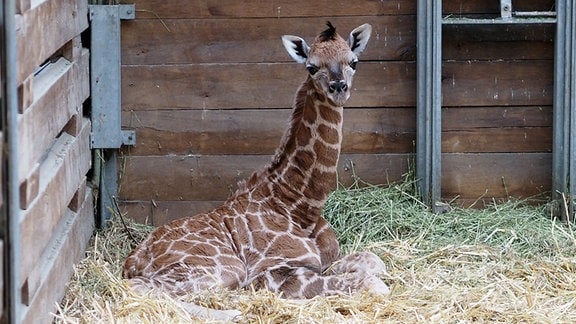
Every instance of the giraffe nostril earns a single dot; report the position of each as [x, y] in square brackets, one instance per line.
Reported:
[338, 86]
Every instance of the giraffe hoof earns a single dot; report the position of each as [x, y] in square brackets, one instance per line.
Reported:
[376, 285]
[213, 314]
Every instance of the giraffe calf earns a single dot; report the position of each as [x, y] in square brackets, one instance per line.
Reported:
[270, 233]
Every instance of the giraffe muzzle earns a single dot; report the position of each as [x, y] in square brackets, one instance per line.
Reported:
[337, 86]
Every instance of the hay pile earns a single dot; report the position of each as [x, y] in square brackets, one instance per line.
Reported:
[506, 263]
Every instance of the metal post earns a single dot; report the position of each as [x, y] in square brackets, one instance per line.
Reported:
[429, 100]
[11, 209]
[107, 134]
[564, 123]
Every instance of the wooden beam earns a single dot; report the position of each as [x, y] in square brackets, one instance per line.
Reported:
[262, 8]
[202, 86]
[258, 131]
[187, 41]
[495, 175]
[214, 177]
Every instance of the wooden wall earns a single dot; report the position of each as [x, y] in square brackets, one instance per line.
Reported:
[208, 87]
[54, 149]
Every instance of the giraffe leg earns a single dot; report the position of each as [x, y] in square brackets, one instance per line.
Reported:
[181, 278]
[326, 241]
[306, 283]
[150, 286]
[359, 262]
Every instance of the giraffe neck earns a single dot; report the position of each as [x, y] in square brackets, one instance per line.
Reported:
[303, 170]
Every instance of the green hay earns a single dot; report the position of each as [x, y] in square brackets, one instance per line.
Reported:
[364, 214]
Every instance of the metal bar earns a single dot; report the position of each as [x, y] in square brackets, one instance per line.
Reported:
[105, 74]
[499, 21]
[429, 100]
[571, 33]
[13, 300]
[564, 119]
[108, 186]
[535, 13]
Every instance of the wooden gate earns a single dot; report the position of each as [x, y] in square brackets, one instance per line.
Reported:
[56, 218]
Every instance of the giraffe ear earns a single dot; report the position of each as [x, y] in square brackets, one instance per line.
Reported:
[296, 48]
[359, 38]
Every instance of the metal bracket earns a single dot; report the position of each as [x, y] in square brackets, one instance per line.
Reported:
[105, 76]
[129, 137]
[506, 9]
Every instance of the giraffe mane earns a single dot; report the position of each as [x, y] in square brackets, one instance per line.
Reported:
[288, 138]
[328, 34]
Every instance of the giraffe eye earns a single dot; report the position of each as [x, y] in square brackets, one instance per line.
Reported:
[353, 64]
[312, 69]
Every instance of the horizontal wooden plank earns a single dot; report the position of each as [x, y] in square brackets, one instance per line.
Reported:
[66, 247]
[160, 212]
[377, 84]
[231, 86]
[466, 176]
[61, 173]
[273, 9]
[508, 139]
[213, 177]
[59, 91]
[466, 118]
[504, 35]
[497, 129]
[325, 8]
[186, 41]
[497, 83]
[477, 45]
[378, 130]
[44, 29]
[498, 175]
[258, 131]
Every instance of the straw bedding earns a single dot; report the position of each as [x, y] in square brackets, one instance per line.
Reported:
[505, 263]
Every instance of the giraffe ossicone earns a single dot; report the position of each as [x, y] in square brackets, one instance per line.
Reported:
[270, 233]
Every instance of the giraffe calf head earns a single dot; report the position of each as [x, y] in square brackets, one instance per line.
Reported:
[330, 60]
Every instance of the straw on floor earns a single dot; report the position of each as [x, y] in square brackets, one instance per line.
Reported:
[508, 262]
